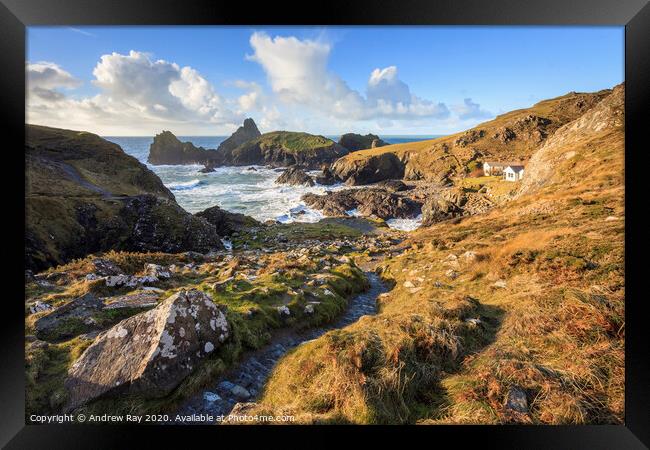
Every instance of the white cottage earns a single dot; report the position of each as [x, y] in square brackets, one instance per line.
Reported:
[513, 173]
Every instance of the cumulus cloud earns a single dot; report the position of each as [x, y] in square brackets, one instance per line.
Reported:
[133, 89]
[297, 72]
[471, 110]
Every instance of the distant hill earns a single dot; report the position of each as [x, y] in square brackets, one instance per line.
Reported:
[511, 136]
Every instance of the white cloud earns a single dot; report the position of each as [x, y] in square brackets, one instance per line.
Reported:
[470, 110]
[297, 72]
[134, 89]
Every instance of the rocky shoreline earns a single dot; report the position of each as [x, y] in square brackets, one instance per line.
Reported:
[133, 304]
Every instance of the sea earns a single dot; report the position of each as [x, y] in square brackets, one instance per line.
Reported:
[242, 189]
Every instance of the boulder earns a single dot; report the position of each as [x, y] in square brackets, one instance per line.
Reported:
[295, 177]
[39, 306]
[150, 353]
[70, 319]
[516, 400]
[436, 209]
[393, 185]
[104, 267]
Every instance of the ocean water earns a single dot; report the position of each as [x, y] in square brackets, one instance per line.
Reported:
[250, 190]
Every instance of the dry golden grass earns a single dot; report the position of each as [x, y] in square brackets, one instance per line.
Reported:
[546, 279]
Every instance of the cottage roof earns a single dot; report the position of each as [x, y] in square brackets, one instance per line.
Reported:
[504, 164]
[515, 167]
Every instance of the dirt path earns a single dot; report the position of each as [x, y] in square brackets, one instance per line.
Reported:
[246, 381]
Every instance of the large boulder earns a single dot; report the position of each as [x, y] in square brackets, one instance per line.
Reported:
[354, 142]
[150, 353]
[437, 209]
[248, 131]
[295, 177]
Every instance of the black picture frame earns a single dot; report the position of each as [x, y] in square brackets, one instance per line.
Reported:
[16, 15]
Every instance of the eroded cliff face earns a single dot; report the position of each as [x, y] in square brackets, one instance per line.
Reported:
[85, 195]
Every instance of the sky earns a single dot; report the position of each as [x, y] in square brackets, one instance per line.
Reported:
[390, 80]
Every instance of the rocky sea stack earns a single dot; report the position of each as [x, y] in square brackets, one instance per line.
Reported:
[247, 132]
[167, 149]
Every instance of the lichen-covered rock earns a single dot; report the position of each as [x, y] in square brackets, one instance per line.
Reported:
[149, 353]
[65, 321]
[104, 267]
[156, 271]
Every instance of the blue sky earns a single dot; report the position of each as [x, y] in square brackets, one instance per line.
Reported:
[326, 80]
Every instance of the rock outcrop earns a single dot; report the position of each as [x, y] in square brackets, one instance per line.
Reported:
[85, 195]
[435, 210]
[354, 142]
[327, 178]
[295, 177]
[546, 165]
[150, 353]
[367, 170]
[226, 223]
[167, 149]
[369, 202]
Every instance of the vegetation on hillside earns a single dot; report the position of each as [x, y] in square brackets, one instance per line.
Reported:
[515, 316]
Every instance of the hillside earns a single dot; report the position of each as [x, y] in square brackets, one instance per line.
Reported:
[513, 316]
[511, 136]
[83, 194]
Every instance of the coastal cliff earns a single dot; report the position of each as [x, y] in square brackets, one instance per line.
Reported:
[85, 195]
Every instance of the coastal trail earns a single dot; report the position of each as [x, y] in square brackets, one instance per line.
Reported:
[245, 382]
